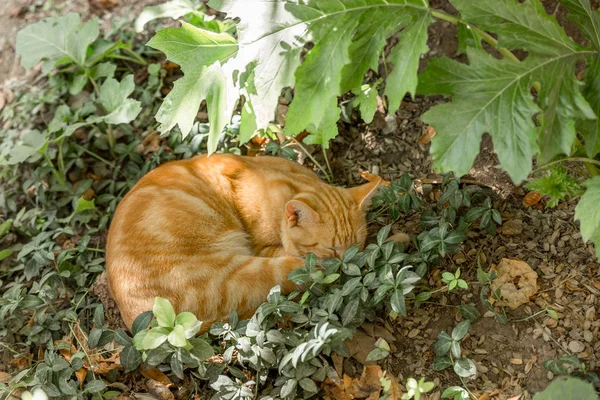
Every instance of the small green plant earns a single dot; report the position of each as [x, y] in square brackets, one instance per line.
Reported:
[448, 352]
[568, 388]
[557, 184]
[453, 280]
[416, 388]
[572, 366]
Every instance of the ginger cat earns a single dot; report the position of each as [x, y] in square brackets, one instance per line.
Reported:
[214, 234]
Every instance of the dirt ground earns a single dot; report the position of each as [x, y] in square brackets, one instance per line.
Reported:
[509, 357]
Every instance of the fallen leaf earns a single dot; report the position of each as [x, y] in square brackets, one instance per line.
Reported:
[516, 280]
[103, 4]
[5, 377]
[338, 363]
[22, 362]
[159, 390]
[512, 227]
[368, 386]
[150, 144]
[531, 198]
[81, 374]
[364, 341]
[156, 375]
[425, 138]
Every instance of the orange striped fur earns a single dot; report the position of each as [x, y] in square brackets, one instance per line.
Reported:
[214, 234]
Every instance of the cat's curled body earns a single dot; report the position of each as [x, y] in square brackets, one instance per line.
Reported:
[214, 234]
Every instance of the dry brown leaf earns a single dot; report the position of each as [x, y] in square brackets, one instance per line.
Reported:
[512, 227]
[516, 280]
[81, 374]
[363, 341]
[368, 386]
[103, 4]
[426, 137]
[159, 390]
[23, 361]
[531, 198]
[5, 377]
[338, 363]
[484, 396]
[156, 375]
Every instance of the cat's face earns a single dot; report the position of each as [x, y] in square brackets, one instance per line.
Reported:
[328, 222]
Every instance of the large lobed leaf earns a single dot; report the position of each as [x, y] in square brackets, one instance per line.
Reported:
[588, 213]
[54, 40]
[493, 96]
[201, 55]
[348, 38]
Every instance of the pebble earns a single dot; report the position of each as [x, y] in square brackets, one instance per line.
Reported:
[576, 346]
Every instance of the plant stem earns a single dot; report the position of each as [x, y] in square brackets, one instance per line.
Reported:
[587, 161]
[96, 156]
[57, 174]
[313, 160]
[111, 139]
[486, 36]
[327, 161]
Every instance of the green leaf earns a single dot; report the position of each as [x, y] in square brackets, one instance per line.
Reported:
[318, 79]
[441, 363]
[172, 9]
[587, 213]
[4, 227]
[141, 322]
[489, 95]
[366, 100]
[518, 25]
[189, 322]
[177, 336]
[456, 393]
[94, 386]
[330, 278]
[308, 385]
[502, 105]
[465, 367]
[122, 337]
[590, 128]
[200, 54]
[562, 102]
[201, 350]
[377, 354]
[586, 19]
[467, 37]
[98, 316]
[469, 312]
[83, 204]
[131, 358]
[29, 144]
[398, 303]
[570, 388]
[155, 337]
[405, 58]
[164, 312]
[56, 40]
[460, 330]
[5, 253]
[443, 344]
[350, 311]
[114, 98]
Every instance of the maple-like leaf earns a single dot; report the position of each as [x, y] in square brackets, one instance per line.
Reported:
[56, 40]
[587, 213]
[201, 55]
[588, 20]
[493, 96]
[590, 128]
[348, 38]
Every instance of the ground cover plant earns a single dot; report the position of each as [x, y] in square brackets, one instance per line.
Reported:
[81, 135]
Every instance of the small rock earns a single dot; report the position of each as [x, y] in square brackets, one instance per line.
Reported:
[576, 346]
[512, 227]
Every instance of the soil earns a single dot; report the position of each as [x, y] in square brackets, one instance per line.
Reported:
[509, 357]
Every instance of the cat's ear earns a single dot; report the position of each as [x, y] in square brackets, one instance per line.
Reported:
[299, 213]
[363, 194]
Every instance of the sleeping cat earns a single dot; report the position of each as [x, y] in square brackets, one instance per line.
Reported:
[214, 234]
